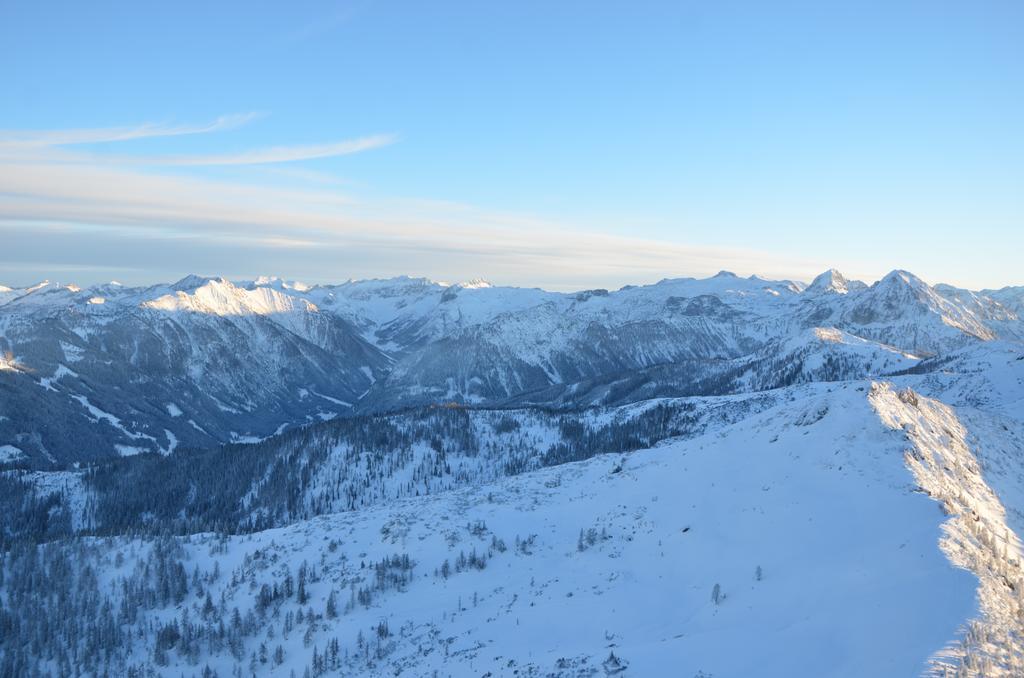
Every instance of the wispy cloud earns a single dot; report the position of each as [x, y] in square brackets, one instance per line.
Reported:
[68, 137]
[48, 145]
[201, 222]
[278, 154]
[119, 208]
[319, 26]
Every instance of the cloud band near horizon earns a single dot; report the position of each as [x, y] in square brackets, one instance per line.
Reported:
[118, 208]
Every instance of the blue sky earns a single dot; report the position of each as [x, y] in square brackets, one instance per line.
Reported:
[563, 145]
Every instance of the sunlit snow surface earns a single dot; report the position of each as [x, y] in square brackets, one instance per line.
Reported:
[816, 492]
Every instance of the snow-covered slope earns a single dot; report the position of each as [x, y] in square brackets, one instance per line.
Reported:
[1011, 298]
[977, 537]
[7, 293]
[988, 376]
[811, 524]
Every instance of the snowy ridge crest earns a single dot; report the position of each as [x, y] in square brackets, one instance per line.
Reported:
[976, 536]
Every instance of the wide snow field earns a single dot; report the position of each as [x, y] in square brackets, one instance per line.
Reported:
[814, 492]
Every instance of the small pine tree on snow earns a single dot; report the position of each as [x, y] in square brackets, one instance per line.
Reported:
[613, 664]
[302, 596]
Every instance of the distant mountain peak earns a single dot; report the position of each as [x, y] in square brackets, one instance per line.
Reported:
[902, 277]
[829, 282]
[192, 281]
[833, 282]
[475, 283]
[267, 281]
[725, 274]
[905, 285]
[280, 284]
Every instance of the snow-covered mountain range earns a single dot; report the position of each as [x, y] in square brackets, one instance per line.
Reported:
[720, 477]
[108, 370]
